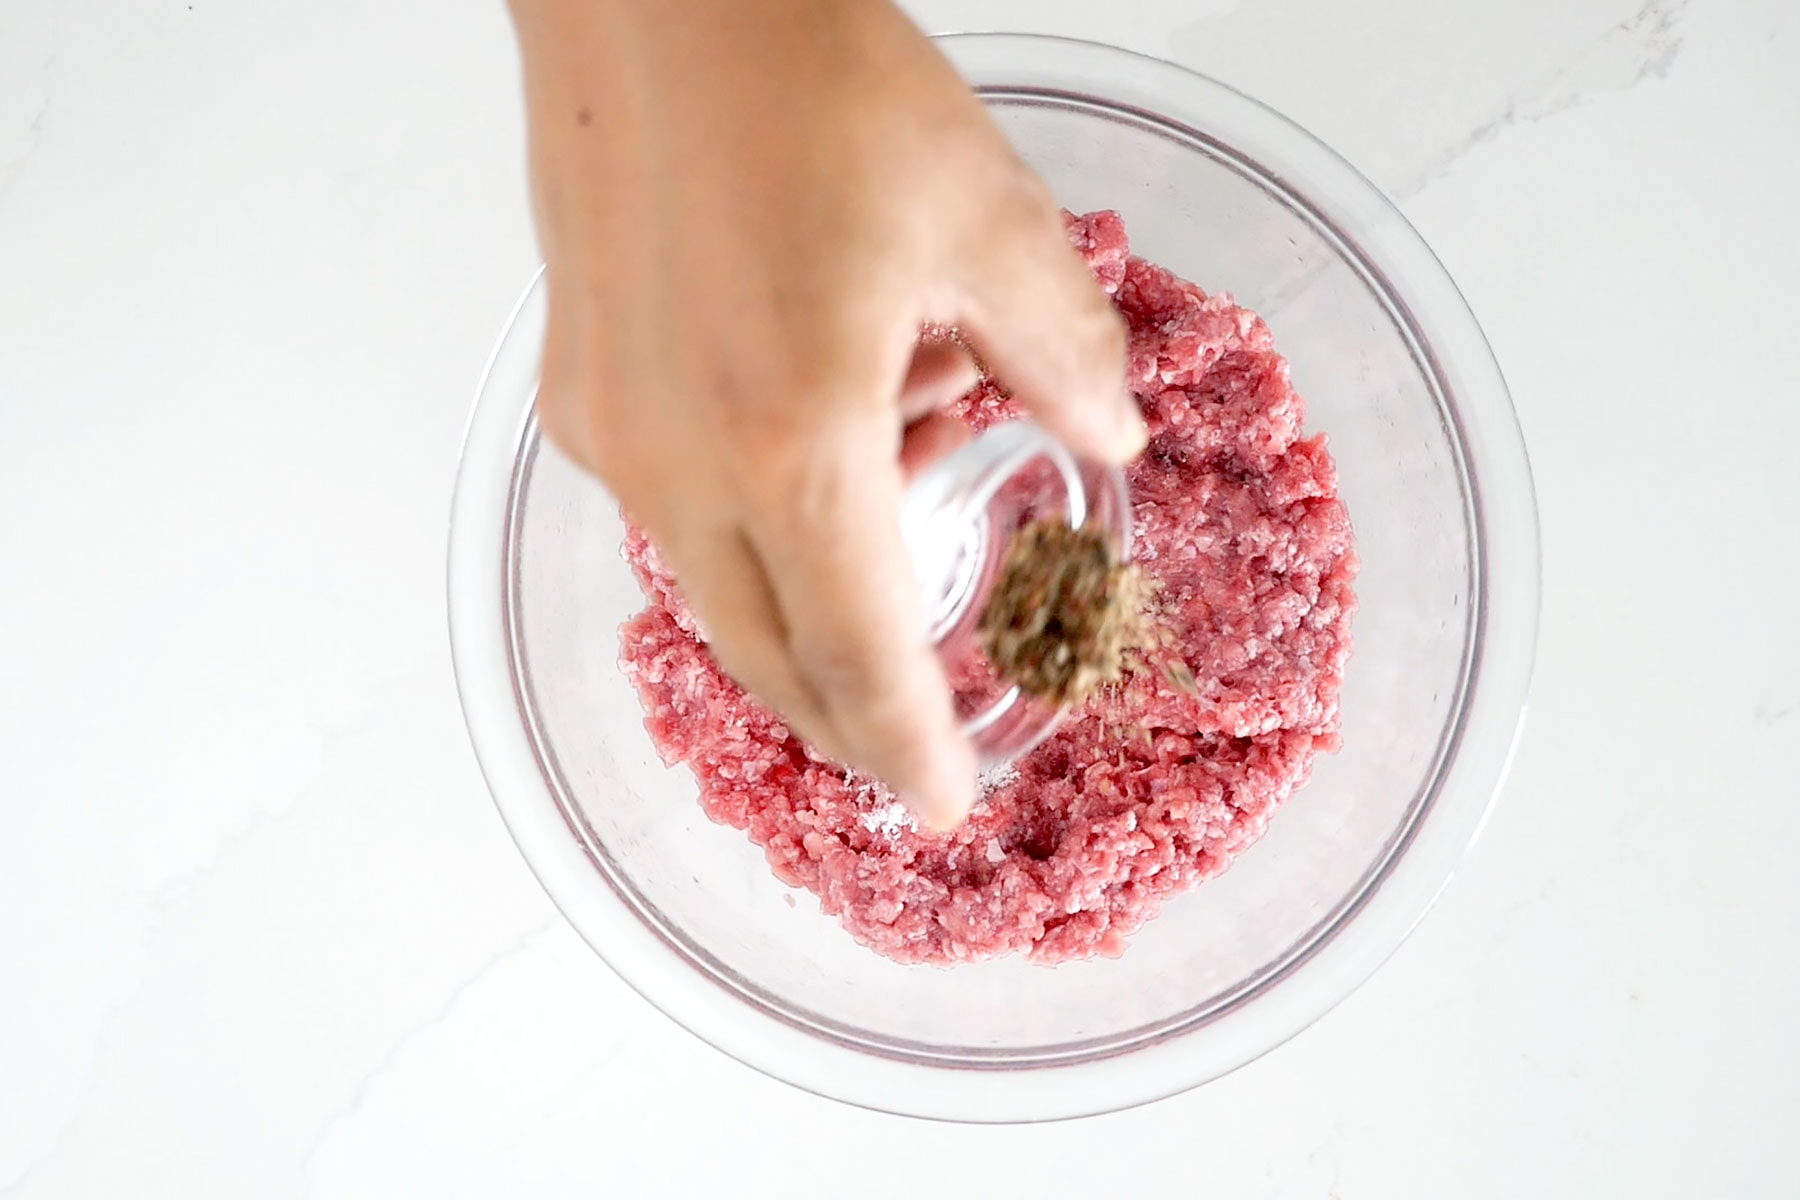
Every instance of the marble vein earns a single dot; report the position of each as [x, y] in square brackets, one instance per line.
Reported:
[162, 897]
[343, 742]
[13, 167]
[109, 1018]
[359, 1095]
[1644, 46]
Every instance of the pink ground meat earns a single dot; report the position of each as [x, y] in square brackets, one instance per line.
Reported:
[1148, 789]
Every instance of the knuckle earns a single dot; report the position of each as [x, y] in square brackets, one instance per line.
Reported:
[774, 418]
[1033, 199]
[1105, 335]
[614, 444]
[757, 433]
[570, 401]
[871, 695]
[1029, 208]
[793, 479]
[583, 425]
[849, 675]
[564, 421]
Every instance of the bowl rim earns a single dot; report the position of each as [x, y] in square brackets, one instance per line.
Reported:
[1503, 615]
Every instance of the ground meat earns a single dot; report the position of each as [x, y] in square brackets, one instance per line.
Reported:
[1148, 789]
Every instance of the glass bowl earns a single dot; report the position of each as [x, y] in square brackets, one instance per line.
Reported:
[1433, 470]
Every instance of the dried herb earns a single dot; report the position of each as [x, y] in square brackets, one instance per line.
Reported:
[1066, 617]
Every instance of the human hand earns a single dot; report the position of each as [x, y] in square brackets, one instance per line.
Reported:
[748, 210]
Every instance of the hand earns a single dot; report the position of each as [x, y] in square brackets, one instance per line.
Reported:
[748, 209]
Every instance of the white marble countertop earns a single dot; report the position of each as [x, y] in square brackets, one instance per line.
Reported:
[262, 932]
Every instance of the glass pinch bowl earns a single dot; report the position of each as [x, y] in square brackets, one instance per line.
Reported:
[1434, 473]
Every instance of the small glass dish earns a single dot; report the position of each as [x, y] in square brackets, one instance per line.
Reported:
[1433, 470]
[959, 517]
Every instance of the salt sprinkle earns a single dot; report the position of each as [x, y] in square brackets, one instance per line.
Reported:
[997, 777]
[881, 814]
[887, 821]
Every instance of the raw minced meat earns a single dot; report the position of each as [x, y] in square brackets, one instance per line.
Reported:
[1150, 787]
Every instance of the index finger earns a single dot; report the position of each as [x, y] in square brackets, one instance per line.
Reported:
[827, 528]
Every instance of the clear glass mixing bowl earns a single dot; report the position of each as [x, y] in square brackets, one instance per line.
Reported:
[1433, 469]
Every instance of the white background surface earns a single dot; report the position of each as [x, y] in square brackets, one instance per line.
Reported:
[261, 933]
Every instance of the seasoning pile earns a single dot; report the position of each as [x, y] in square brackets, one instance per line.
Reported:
[1066, 617]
